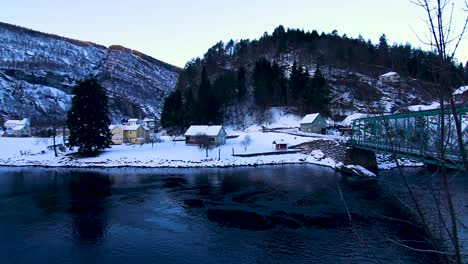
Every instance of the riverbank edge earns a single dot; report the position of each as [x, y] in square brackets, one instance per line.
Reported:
[220, 166]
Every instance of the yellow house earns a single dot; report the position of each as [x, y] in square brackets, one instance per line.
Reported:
[135, 134]
[117, 134]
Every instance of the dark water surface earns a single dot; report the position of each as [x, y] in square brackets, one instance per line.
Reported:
[280, 214]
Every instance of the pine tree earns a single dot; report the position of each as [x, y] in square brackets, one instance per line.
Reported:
[88, 118]
[188, 108]
[207, 106]
[382, 51]
[241, 84]
[171, 116]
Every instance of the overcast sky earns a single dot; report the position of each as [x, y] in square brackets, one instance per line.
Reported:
[176, 31]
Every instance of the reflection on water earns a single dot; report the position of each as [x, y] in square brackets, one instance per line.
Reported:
[88, 205]
[280, 214]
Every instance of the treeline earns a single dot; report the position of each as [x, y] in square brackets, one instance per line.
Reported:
[330, 49]
[182, 108]
[273, 88]
[270, 85]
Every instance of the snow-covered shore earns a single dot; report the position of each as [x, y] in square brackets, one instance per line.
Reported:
[34, 152]
[175, 154]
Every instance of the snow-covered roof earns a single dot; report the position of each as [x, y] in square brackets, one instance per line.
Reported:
[18, 128]
[131, 127]
[203, 130]
[127, 128]
[461, 90]
[309, 118]
[389, 74]
[434, 105]
[348, 121]
[133, 120]
[148, 120]
[24, 121]
[279, 141]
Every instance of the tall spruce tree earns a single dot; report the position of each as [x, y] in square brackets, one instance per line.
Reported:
[88, 118]
[207, 106]
[171, 116]
[241, 83]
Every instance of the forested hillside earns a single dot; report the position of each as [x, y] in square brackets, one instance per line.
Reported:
[303, 71]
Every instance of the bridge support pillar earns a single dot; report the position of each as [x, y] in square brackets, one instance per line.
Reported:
[362, 157]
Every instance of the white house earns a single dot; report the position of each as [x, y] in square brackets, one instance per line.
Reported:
[390, 77]
[149, 123]
[216, 134]
[18, 128]
[313, 123]
[461, 94]
[133, 121]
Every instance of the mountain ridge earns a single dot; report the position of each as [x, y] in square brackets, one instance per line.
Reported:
[38, 70]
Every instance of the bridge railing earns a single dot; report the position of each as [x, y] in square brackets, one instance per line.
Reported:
[414, 135]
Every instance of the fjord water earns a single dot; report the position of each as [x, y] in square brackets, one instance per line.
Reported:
[279, 214]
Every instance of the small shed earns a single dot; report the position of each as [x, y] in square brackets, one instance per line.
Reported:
[216, 134]
[280, 145]
[390, 77]
[313, 123]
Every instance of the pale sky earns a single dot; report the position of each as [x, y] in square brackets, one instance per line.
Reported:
[176, 31]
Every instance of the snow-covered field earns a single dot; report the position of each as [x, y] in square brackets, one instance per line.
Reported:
[34, 152]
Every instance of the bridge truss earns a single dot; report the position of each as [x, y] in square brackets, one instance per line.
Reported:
[414, 135]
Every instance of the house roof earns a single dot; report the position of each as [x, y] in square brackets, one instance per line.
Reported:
[203, 130]
[461, 90]
[148, 120]
[389, 74]
[310, 118]
[131, 127]
[133, 120]
[279, 141]
[18, 128]
[24, 121]
[127, 128]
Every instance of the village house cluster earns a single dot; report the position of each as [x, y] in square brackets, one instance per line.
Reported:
[134, 131]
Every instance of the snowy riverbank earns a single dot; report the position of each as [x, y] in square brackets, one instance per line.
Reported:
[35, 152]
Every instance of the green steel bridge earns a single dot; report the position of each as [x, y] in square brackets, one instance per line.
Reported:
[414, 135]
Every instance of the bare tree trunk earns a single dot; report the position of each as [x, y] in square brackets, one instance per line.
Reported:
[54, 134]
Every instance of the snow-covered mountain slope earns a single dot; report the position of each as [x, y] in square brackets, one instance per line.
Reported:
[38, 70]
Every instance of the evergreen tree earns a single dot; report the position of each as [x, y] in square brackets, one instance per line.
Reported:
[188, 108]
[208, 108]
[241, 90]
[224, 87]
[293, 82]
[171, 116]
[88, 118]
[321, 92]
[262, 82]
[382, 51]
